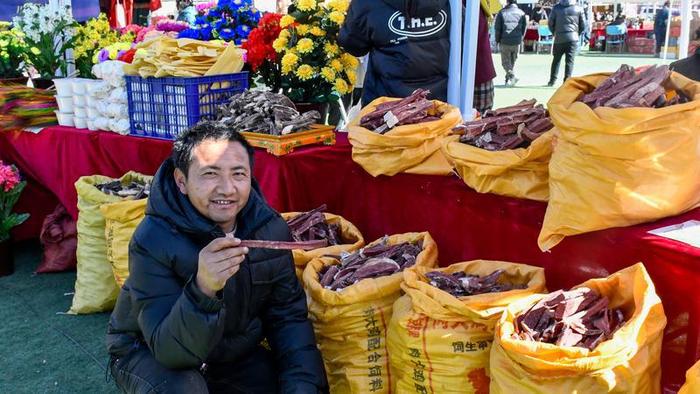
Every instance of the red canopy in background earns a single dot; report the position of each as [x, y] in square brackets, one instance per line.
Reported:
[128, 10]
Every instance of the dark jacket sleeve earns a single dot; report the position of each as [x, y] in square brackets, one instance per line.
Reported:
[291, 335]
[523, 24]
[354, 36]
[498, 27]
[180, 325]
[552, 21]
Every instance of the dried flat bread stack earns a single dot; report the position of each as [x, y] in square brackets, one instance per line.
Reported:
[166, 56]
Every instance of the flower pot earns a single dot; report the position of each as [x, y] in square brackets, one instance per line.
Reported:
[322, 108]
[42, 83]
[14, 81]
[7, 262]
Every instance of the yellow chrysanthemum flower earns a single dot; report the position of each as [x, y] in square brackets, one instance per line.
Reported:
[305, 72]
[279, 44]
[341, 86]
[305, 45]
[331, 49]
[285, 34]
[286, 21]
[337, 17]
[352, 76]
[337, 65]
[328, 74]
[338, 5]
[289, 60]
[35, 50]
[303, 29]
[317, 31]
[306, 5]
[349, 61]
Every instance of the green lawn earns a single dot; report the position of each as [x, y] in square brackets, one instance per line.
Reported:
[42, 351]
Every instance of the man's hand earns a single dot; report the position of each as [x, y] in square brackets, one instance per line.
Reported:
[219, 261]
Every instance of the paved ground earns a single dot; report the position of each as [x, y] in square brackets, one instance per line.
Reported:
[42, 351]
[533, 72]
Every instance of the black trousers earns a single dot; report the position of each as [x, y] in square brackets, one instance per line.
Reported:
[559, 50]
[139, 372]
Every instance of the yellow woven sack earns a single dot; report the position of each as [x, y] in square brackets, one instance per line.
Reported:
[692, 380]
[351, 324]
[520, 173]
[627, 363]
[439, 343]
[411, 148]
[348, 232]
[95, 287]
[121, 219]
[615, 167]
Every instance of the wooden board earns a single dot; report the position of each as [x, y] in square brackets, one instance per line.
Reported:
[280, 145]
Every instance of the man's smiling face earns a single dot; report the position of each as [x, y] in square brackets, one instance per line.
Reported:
[218, 180]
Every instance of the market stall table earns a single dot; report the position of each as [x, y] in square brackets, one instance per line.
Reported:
[465, 224]
[600, 32]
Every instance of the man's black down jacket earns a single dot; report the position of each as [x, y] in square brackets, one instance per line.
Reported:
[161, 306]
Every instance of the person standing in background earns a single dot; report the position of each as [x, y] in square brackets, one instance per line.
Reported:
[186, 11]
[408, 44]
[660, 24]
[566, 22]
[510, 28]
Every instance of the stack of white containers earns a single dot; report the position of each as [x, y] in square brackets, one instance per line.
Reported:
[79, 102]
[73, 106]
[64, 98]
[110, 98]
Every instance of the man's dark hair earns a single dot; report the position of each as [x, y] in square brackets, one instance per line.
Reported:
[512, 1]
[190, 138]
[667, 4]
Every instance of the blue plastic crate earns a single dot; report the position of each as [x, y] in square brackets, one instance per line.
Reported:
[164, 107]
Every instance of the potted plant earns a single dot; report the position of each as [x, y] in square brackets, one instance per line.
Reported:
[49, 32]
[315, 71]
[261, 56]
[10, 189]
[12, 49]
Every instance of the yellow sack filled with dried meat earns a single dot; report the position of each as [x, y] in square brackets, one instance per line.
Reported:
[629, 362]
[520, 173]
[350, 235]
[95, 287]
[692, 380]
[413, 148]
[351, 323]
[615, 167]
[440, 343]
[121, 219]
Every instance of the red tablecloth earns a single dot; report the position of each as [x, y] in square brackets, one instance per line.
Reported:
[465, 224]
[531, 34]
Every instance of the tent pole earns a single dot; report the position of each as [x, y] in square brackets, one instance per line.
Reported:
[455, 62]
[470, 39]
[684, 39]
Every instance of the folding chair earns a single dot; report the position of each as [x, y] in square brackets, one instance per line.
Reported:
[615, 36]
[545, 37]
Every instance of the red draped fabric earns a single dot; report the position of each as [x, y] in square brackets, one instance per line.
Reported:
[465, 224]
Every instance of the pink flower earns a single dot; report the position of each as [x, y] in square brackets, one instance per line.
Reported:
[9, 177]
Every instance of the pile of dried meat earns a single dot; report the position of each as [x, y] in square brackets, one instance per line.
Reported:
[265, 112]
[415, 108]
[626, 88]
[579, 317]
[312, 225]
[460, 284]
[133, 190]
[506, 128]
[373, 261]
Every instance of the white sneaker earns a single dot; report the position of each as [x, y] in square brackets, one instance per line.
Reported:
[514, 81]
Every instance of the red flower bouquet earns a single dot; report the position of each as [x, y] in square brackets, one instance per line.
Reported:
[11, 187]
[261, 56]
